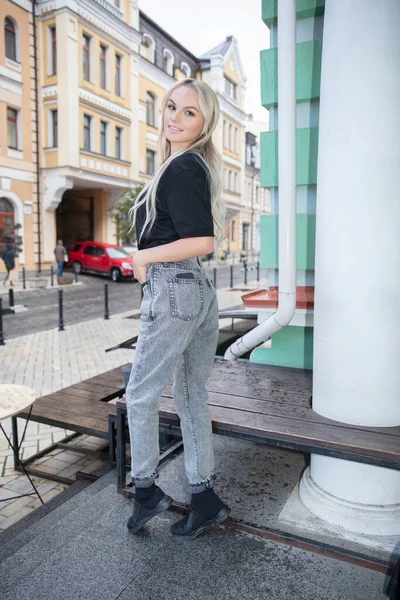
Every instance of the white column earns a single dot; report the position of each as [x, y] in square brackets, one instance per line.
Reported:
[357, 272]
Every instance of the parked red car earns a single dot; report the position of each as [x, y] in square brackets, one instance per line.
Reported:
[96, 257]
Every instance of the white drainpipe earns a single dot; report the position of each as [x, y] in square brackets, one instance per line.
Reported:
[287, 186]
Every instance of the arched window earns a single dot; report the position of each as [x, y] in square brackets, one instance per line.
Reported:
[6, 214]
[150, 109]
[168, 61]
[10, 36]
[150, 47]
[186, 69]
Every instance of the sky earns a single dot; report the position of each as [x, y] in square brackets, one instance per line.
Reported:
[200, 25]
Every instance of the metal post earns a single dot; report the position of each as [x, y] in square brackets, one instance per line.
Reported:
[231, 276]
[245, 271]
[51, 276]
[76, 275]
[23, 279]
[10, 297]
[60, 311]
[1, 323]
[106, 311]
[215, 277]
[258, 270]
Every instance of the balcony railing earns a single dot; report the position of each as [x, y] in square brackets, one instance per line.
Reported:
[110, 6]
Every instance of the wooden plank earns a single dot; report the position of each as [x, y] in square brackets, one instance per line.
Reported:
[326, 436]
[269, 406]
[95, 410]
[74, 422]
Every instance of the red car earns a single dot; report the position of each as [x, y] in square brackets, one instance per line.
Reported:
[96, 257]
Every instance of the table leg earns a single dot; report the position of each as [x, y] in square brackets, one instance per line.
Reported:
[15, 449]
[121, 449]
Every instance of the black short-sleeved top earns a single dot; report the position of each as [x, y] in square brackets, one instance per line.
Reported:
[183, 204]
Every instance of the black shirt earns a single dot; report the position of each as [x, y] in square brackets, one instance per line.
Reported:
[183, 204]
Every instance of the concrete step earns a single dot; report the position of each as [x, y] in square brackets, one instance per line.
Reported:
[48, 515]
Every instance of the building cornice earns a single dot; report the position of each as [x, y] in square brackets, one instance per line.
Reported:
[104, 104]
[88, 176]
[155, 74]
[25, 4]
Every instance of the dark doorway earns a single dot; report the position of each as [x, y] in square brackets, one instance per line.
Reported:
[75, 220]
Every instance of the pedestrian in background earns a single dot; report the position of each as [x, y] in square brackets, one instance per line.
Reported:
[177, 216]
[9, 262]
[60, 253]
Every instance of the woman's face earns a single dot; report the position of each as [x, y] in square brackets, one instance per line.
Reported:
[182, 121]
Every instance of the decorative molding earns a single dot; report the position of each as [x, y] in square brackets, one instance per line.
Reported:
[155, 74]
[25, 4]
[77, 175]
[10, 85]
[49, 90]
[12, 153]
[11, 74]
[102, 166]
[105, 104]
[54, 187]
[13, 65]
[17, 174]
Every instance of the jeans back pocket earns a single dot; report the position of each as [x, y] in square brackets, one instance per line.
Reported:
[186, 298]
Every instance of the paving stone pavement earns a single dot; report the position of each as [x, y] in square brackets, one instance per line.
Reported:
[48, 361]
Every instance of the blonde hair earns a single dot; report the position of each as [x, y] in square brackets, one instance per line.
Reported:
[203, 147]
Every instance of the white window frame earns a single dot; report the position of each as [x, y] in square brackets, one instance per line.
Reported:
[91, 133]
[50, 50]
[122, 142]
[17, 41]
[231, 188]
[107, 136]
[237, 140]
[50, 128]
[150, 43]
[231, 139]
[171, 61]
[237, 182]
[106, 66]
[226, 135]
[186, 69]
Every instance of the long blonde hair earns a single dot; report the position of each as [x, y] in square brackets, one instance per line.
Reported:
[205, 149]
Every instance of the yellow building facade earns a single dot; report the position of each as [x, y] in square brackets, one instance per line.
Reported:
[100, 76]
[18, 142]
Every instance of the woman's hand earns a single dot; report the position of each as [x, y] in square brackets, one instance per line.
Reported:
[139, 266]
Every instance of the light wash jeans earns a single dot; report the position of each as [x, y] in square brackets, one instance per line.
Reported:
[178, 337]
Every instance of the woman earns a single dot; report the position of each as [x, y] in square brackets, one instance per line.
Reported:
[177, 216]
[9, 262]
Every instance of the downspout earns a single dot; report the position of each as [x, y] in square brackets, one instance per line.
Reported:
[38, 212]
[287, 186]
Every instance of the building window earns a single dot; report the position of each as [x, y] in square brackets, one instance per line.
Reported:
[150, 162]
[118, 142]
[233, 231]
[118, 61]
[10, 36]
[236, 140]
[237, 182]
[150, 109]
[231, 181]
[186, 70]
[87, 126]
[168, 62]
[149, 47]
[54, 128]
[249, 192]
[6, 214]
[225, 134]
[53, 51]
[12, 128]
[103, 137]
[230, 88]
[86, 57]
[231, 140]
[257, 194]
[103, 66]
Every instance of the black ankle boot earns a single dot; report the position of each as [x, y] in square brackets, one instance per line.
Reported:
[205, 510]
[149, 503]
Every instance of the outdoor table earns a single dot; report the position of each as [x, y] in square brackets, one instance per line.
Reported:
[14, 399]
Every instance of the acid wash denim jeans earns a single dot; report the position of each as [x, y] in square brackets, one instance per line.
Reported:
[178, 337]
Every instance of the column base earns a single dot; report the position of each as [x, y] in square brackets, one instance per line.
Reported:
[369, 519]
[296, 518]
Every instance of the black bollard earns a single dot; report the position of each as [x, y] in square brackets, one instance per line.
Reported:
[1, 323]
[76, 276]
[245, 271]
[51, 276]
[215, 277]
[10, 297]
[258, 271]
[106, 311]
[23, 279]
[60, 311]
[231, 276]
